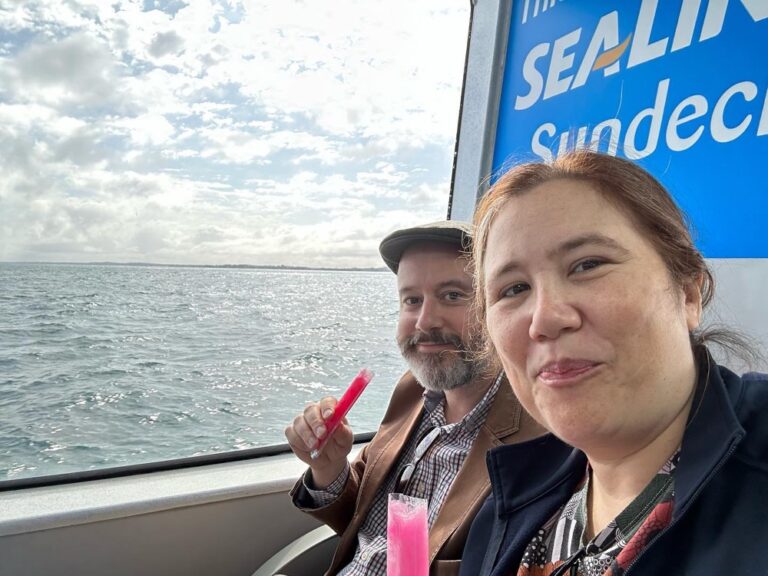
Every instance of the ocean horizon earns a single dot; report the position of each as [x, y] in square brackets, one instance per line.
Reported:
[178, 265]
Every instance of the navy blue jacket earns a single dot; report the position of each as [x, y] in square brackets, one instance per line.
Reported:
[720, 520]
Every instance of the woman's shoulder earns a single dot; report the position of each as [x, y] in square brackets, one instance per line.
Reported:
[753, 399]
[751, 408]
[756, 377]
[745, 390]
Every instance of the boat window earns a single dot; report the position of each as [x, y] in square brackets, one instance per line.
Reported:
[192, 198]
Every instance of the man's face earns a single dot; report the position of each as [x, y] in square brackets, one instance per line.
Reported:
[433, 330]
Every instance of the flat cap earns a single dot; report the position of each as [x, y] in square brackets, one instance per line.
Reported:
[449, 231]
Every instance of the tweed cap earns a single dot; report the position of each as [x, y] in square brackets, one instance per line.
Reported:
[448, 231]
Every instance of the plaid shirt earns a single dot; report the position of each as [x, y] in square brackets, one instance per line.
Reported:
[431, 480]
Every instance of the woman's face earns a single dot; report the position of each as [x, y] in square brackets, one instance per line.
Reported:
[586, 320]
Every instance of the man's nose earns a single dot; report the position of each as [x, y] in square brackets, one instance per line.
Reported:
[430, 317]
[553, 313]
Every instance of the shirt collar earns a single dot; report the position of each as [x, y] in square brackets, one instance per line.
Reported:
[434, 404]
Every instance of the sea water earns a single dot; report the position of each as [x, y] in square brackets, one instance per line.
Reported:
[106, 365]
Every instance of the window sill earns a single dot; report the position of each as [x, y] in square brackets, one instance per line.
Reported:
[43, 508]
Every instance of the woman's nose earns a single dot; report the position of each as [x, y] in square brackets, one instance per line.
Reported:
[553, 314]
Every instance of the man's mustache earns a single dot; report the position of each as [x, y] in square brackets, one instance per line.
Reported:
[433, 337]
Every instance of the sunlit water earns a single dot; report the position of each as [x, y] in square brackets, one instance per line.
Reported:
[110, 365]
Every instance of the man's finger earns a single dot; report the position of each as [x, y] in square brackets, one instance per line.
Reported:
[314, 420]
[304, 431]
[295, 442]
[327, 405]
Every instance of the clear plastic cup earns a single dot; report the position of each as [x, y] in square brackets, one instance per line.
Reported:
[407, 536]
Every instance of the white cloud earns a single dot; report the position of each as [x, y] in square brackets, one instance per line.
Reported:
[146, 129]
[165, 43]
[76, 70]
[261, 132]
[324, 61]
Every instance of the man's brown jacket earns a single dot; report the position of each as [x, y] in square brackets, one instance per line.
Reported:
[506, 423]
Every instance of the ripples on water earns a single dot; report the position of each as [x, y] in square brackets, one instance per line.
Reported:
[111, 365]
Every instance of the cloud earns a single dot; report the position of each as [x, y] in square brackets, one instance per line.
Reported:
[266, 133]
[166, 43]
[145, 129]
[77, 70]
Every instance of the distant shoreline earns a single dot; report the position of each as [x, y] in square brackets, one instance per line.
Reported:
[228, 266]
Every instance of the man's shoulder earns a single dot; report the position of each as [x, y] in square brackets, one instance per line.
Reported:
[403, 410]
[406, 394]
[508, 420]
[408, 381]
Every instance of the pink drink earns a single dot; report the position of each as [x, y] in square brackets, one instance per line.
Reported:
[346, 402]
[407, 536]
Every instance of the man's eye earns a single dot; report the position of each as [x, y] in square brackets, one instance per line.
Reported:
[515, 289]
[410, 300]
[455, 296]
[588, 264]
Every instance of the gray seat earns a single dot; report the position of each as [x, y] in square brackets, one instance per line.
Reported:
[308, 555]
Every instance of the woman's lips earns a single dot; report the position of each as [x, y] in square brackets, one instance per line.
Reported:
[566, 372]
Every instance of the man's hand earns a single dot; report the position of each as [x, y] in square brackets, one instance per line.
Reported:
[305, 433]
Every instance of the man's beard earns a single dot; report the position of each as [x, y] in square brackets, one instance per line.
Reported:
[445, 370]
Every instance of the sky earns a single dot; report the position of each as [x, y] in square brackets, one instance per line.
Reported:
[276, 132]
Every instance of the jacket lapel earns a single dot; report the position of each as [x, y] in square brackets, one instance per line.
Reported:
[402, 417]
[506, 423]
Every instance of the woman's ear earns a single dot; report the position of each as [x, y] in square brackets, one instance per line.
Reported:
[692, 291]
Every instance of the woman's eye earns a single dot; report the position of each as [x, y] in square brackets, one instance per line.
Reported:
[589, 264]
[515, 289]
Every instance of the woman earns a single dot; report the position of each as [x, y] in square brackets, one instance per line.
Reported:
[592, 293]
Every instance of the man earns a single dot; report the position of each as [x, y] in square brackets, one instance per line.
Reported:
[444, 414]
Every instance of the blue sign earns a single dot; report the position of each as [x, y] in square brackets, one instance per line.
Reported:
[679, 85]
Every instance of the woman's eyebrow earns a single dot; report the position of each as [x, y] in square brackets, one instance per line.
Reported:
[587, 240]
[564, 248]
